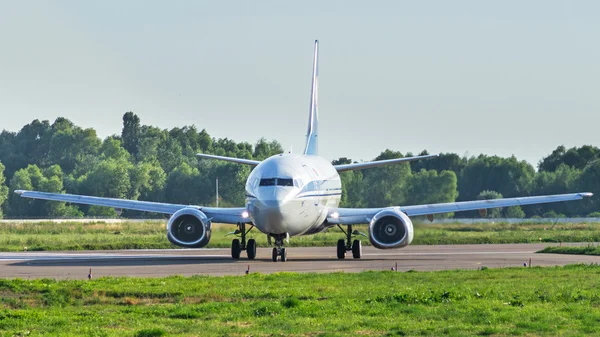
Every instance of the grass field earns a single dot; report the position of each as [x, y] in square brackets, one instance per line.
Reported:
[132, 235]
[489, 302]
[591, 249]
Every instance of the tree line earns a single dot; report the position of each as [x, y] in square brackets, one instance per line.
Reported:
[148, 163]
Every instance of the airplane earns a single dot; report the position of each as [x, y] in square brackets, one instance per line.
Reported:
[289, 195]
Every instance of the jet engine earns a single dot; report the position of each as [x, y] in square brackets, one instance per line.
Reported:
[390, 228]
[189, 227]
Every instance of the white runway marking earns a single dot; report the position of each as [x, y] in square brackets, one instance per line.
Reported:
[55, 256]
[451, 253]
[115, 256]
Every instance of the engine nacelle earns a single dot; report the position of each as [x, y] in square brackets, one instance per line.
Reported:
[189, 227]
[390, 228]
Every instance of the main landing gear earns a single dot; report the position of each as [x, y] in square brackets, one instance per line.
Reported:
[279, 250]
[348, 245]
[237, 246]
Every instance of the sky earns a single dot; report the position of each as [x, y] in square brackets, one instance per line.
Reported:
[507, 78]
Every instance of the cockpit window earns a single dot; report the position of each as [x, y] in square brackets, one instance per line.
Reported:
[276, 182]
[268, 182]
[298, 183]
[285, 182]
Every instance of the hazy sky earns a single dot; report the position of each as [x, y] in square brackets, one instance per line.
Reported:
[508, 77]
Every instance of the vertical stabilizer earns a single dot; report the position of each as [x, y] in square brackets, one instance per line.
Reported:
[312, 135]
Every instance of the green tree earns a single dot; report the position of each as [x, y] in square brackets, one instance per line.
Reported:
[9, 154]
[184, 185]
[204, 141]
[574, 157]
[387, 184]
[3, 189]
[71, 145]
[20, 206]
[170, 154]
[110, 178]
[101, 212]
[28, 146]
[148, 181]
[47, 180]
[112, 149]
[150, 140]
[265, 149]
[354, 188]
[131, 133]
[589, 181]
[443, 162]
[562, 180]
[508, 176]
[232, 180]
[514, 212]
[429, 187]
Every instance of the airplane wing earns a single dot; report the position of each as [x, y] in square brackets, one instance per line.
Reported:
[230, 159]
[349, 216]
[219, 215]
[360, 166]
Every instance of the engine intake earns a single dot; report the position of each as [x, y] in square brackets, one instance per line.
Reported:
[189, 227]
[390, 228]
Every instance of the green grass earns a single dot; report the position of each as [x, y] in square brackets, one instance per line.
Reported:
[97, 235]
[527, 301]
[578, 250]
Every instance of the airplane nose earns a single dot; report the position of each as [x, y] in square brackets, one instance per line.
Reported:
[273, 203]
[270, 211]
[275, 199]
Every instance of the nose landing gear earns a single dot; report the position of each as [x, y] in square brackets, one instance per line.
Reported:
[279, 250]
[348, 245]
[237, 246]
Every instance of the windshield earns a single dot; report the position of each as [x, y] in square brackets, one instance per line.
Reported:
[285, 182]
[268, 182]
[276, 182]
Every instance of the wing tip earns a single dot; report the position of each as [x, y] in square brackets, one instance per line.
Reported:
[586, 194]
[20, 192]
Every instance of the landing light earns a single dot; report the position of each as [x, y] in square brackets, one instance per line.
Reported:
[335, 215]
[244, 214]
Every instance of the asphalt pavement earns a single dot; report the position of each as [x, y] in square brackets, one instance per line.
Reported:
[159, 263]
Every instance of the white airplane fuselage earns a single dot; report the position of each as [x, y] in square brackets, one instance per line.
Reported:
[291, 194]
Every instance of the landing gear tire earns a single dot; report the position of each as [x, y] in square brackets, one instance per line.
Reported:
[237, 246]
[251, 249]
[341, 249]
[236, 249]
[356, 249]
[278, 250]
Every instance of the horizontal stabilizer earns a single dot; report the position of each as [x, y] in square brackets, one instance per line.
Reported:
[230, 159]
[360, 166]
